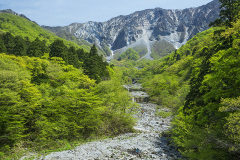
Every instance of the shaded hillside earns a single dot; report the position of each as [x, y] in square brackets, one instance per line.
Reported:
[161, 48]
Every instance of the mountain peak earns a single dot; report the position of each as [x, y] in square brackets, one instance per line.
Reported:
[146, 27]
[9, 11]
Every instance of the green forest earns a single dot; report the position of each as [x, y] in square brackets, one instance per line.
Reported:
[46, 103]
[55, 94]
[200, 82]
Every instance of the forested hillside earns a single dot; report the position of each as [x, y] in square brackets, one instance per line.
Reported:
[93, 64]
[23, 27]
[201, 83]
[45, 103]
[19, 26]
[54, 93]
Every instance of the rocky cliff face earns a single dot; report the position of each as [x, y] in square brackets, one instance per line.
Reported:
[145, 27]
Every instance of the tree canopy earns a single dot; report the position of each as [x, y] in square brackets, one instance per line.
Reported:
[229, 13]
[46, 103]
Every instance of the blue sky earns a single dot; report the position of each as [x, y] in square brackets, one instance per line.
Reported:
[65, 12]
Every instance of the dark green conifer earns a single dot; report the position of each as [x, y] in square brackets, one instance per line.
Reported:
[36, 48]
[20, 48]
[3, 49]
[8, 39]
[81, 55]
[94, 65]
[72, 57]
[58, 49]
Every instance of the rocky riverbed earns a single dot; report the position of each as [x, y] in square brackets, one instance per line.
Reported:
[148, 142]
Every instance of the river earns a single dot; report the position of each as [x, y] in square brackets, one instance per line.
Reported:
[148, 143]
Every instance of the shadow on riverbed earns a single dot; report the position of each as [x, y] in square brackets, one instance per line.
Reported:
[163, 150]
[167, 150]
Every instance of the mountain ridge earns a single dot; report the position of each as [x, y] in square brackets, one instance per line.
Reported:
[175, 26]
[17, 14]
[140, 30]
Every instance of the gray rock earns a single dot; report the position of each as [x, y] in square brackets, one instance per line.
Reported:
[150, 145]
[145, 27]
[146, 144]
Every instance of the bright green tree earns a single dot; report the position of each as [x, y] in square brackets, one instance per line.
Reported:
[228, 14]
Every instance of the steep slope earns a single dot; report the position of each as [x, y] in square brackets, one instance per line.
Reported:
[173, 26]
[20, 25]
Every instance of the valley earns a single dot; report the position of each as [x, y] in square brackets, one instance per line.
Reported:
[148, 142]
[154, 84]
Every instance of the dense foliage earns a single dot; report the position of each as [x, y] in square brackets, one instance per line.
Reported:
[55, 93]
[207, 126]
[44, 103]
[93, 64]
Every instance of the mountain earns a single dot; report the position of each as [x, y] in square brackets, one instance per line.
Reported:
[144, 28]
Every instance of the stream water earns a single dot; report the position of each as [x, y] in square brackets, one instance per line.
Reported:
[148, 143]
